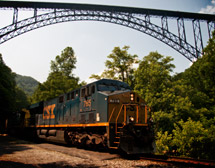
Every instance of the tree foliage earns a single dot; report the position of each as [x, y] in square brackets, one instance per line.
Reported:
[163, 142]
[119, 66]
[187, 126]
[61, 78]
[65, 63]
[153, 83]
[57, 83]
[183, 105]
[26, 83]
[21, 99]
[153, 77]
[189, 138]
[7, 89]
[12, 98]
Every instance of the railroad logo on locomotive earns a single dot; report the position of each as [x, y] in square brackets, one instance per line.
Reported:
[87, 103]
[48, 112]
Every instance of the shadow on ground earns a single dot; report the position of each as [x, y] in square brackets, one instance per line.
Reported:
[9, 164]
[9, 145]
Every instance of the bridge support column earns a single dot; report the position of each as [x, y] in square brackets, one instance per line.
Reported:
[211, 28]
[164, 24]
[181, 31]
[35, 14]
[197, 37]
[15, 16]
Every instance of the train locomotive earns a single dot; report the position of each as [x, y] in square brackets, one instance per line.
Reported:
[103, 113]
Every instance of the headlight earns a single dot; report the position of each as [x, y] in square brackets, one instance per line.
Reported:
[131, 119]
[132, 96]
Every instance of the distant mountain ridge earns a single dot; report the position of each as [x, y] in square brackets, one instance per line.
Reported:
[27, 84]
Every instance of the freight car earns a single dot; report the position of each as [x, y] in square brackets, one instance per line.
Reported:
[105, 112]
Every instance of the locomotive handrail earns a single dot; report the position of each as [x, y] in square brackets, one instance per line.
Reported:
[118, 117]
[137, 117]
[125, 114]
[146, 111]
[111, 114]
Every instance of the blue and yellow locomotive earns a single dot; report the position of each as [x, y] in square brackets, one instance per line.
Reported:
[105, 112]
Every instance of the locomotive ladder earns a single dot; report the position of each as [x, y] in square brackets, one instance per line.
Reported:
[119, 128]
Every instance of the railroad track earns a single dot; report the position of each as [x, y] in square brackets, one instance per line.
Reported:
[179, 160]
[111, 159]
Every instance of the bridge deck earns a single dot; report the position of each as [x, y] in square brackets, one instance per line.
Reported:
[141, 11]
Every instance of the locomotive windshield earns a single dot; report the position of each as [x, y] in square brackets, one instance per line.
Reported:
[112, 87]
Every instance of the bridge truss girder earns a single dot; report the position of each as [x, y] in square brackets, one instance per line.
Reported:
[140, 23]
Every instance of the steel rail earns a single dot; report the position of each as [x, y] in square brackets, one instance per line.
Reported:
[179, 160]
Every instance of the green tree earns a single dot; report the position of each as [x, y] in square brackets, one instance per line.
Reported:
[27, 84]
[167, 98]
[153, 77]
[201, 76]
[56, 84]
[206, 69]
[119, 66]
[192, 139]
[153, 83]
[64, 63]
[191, 109]
[163, 142]
[61, 78]
[21, 99]
[7, 92]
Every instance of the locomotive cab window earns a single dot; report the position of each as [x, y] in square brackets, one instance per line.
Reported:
[103, 87]
[83, 92]
[72, 95]
[111, 87]
[68, 96]
[76, 93]
[88, 91]
[93, 89]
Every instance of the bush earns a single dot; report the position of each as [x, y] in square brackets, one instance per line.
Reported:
[163, 142]
[190, 139]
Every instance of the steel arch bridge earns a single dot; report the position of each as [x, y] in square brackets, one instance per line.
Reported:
[135, 18]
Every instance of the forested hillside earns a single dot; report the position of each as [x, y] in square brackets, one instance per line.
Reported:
[26, 83]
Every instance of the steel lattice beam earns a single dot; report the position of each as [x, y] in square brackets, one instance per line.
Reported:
[211, 28]
[181, 30]
[135, 18]
[197, 37]
[164, 24]
[15, 16]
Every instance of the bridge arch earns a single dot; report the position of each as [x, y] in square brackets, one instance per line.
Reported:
[125, 19]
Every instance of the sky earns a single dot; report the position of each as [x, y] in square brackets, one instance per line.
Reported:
[30, 54]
